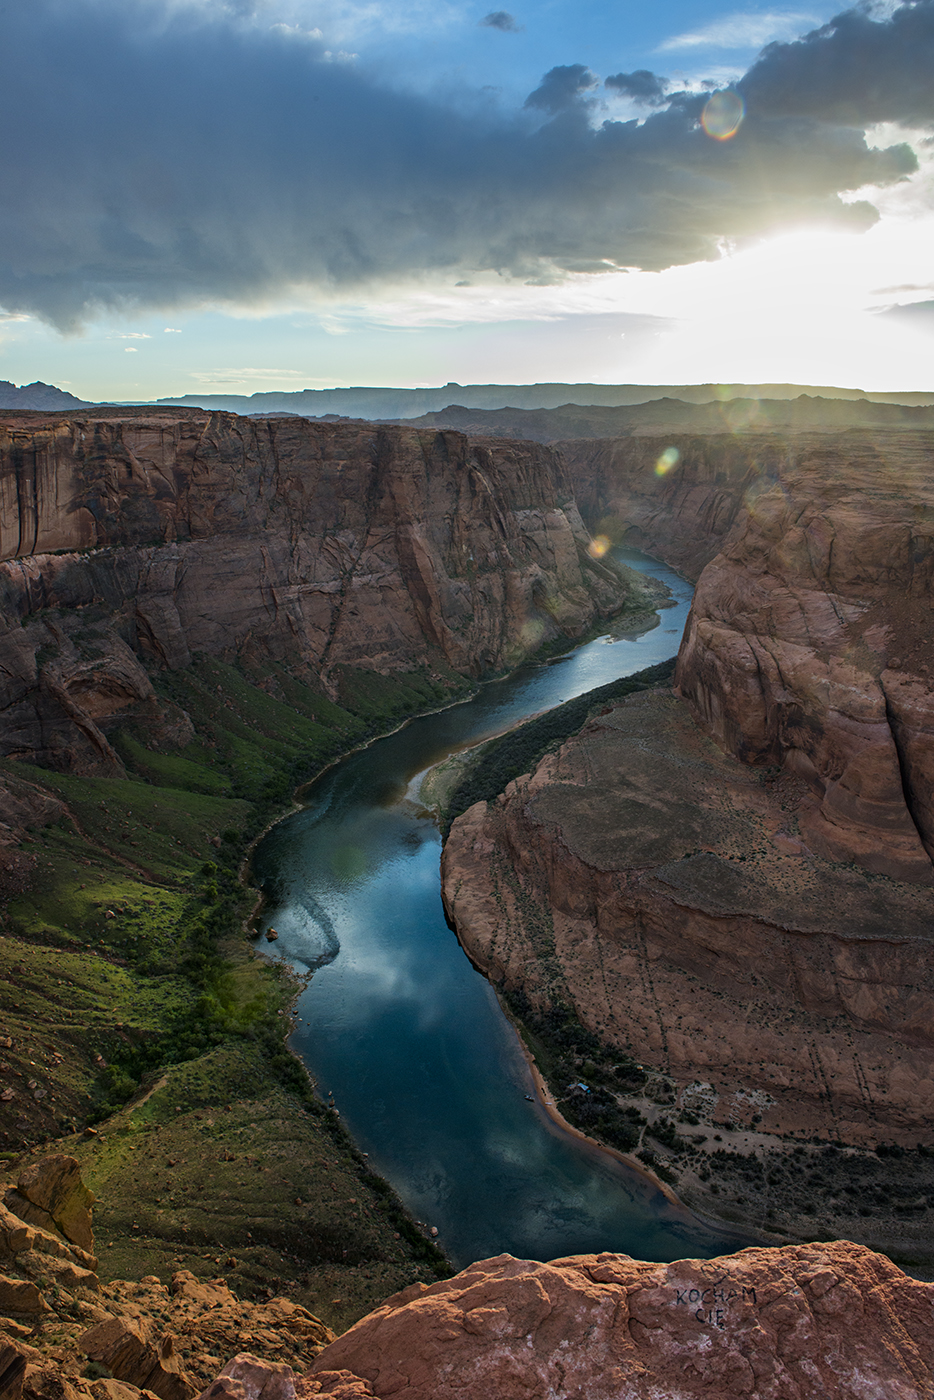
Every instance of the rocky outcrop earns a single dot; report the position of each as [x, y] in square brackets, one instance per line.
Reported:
[132, 1351]
[142, 539]
[834, 1321]
[51, 1194]
[663, 889]
[809, 646]
[60, 1327]
[774, 1324]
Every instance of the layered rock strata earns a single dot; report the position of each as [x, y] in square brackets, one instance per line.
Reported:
[810, 641]
[810, 645]
[142, 539]
[662, 888]
[676, 496]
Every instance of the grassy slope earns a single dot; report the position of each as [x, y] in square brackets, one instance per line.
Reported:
[133, 999]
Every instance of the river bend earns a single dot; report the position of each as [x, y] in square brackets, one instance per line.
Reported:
[407, 1036]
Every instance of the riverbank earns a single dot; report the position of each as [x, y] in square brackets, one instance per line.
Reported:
[538, 881]
[396, 1025]
[133, 999]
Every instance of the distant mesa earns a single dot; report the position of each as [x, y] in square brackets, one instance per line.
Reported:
[582, 410]
[37, 396]
[394, 403]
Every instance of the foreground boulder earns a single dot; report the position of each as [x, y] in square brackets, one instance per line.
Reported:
[51, 1194]
[829, 1321]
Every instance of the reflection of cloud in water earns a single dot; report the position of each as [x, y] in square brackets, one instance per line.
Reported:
[519, 1152]
[386, 977]
[425, 1068]
[307, 931]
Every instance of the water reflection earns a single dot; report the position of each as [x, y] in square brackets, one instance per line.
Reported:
[427, 1072]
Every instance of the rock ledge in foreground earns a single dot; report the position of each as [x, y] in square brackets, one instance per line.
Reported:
[830, 1320]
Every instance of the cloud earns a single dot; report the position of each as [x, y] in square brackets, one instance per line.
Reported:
[158, 156]
[562, 88]
[643, 87]
[855, 71]
[918, 314]
[245, 376]
[500, 19]
[739, 31]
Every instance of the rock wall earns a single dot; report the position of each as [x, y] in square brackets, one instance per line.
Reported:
[661, 888]
[146, 538]
[676, 496]
[810, 645]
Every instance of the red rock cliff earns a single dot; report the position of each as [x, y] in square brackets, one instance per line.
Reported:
[146, 535]
[810, 642]
[660, 887]
[679, 506]
[810, 645]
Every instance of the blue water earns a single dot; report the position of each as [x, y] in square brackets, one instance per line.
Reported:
[409, 1038]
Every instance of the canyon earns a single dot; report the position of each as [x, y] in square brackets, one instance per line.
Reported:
[730, 881]
[726, 883]
[809, 644]
[146, 537]
[198, 613]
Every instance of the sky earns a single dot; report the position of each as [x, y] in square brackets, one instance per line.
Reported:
[224, 196]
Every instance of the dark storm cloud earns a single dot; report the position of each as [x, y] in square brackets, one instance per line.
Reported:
[854, 71]
[158, 156]
[643, 87]
[500, 19]
[562, 88]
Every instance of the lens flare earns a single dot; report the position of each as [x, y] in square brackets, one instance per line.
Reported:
[669, 458]
[598, 546]
[723, 114]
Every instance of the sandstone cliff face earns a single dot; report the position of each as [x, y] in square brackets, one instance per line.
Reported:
[810, 641]
[148, 537]
[681, 506]
[832, 1321]
[661, 888]
[810, 645]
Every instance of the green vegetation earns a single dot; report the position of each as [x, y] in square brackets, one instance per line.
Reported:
[501, 760]
[131, 997]
[584, 1075]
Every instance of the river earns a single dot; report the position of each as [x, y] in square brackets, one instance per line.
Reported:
[426, 1070]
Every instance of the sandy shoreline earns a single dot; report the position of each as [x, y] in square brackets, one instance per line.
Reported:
[547, 1100]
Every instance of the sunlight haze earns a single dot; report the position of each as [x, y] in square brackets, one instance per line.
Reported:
[229, 197]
